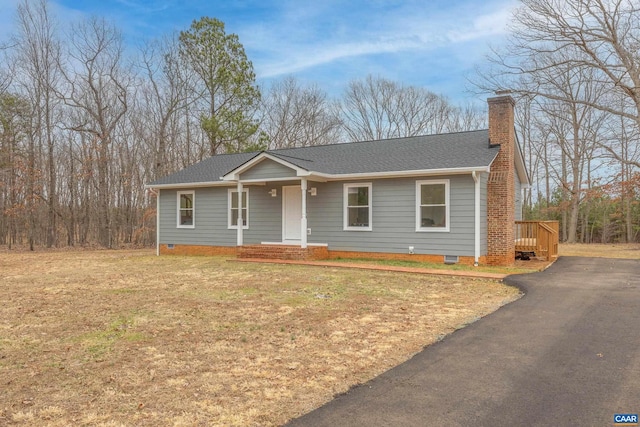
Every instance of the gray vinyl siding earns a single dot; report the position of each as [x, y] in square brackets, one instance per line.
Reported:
[394, 219]
[518, 186]
[265, 215]
[268, 169]
[210, 218]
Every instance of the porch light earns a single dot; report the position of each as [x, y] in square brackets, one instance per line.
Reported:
[273, 192]
[313, 191]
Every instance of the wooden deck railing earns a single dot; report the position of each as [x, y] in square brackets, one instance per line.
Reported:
[539, 237]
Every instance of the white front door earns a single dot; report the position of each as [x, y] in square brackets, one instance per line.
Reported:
[291, 212]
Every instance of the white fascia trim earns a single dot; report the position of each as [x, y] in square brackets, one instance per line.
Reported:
[324, 177]
[520, 164]
[399, 174]
[188, 185]
[233, 175]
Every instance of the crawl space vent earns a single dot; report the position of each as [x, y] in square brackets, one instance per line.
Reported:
[451, 259]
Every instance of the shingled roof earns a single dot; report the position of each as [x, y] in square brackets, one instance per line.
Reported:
[461, 150]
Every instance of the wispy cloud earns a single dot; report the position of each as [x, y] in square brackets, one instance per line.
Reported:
[427, 43]
[293, 45]
[144, 6]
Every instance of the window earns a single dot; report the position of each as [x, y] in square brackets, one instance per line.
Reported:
[186, 209]
[432, 205]
[357, 207]
[233, 209]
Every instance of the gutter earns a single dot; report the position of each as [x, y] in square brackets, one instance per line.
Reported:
[476, 250]
[324, 177]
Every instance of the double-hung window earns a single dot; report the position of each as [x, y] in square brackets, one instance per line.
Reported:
[186, 209]
[432, 205]
[357, 207]
[234, 209]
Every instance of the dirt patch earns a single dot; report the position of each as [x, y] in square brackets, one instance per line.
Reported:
[613, 250]
[113, 338]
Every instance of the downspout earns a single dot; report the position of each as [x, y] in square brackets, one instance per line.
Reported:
[303, 221]
[240, 222]
[476, 257]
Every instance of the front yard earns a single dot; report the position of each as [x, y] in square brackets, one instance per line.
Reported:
[126, 338]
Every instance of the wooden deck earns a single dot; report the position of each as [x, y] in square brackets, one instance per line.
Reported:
[539, 238]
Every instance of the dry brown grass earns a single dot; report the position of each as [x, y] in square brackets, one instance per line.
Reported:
[613, 250]
[110, 338]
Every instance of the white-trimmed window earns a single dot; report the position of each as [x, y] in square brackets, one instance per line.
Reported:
[357, 207]
[432, 205]
[233, 209]
[186, 209]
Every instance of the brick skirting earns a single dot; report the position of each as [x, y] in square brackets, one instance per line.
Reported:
[288, 252]
[435, 259]
[198, 250]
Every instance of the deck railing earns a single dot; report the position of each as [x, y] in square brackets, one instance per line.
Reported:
[539, 237]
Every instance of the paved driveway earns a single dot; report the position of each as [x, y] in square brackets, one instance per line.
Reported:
[566, 354]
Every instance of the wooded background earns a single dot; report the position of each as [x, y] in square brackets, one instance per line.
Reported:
[85, 123]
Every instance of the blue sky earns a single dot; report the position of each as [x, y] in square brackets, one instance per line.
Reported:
[429, 43]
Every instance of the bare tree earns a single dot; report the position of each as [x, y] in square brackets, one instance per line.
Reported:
[599, 37]
[98, 87]
[377, 108]
[162, 93]
[297, 116]
[38, 56]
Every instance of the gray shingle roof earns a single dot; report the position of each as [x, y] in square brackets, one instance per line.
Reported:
[443, 151]
[208, 170]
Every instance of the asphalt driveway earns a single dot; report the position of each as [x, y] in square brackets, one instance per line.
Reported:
[566, 354]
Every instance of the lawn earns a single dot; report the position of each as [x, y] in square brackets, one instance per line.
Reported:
[611, 250]
[110, 338]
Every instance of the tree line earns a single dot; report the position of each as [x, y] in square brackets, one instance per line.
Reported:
[85, 121]
[575, 68]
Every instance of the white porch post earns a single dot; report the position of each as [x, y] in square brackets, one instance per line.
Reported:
[240, 221]
[303, 221]
[476, 180]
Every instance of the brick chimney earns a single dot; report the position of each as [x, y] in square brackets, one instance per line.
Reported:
[501, 182]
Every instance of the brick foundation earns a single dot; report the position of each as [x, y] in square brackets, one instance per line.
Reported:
[297, 253]
[198, 250]
[435, 259]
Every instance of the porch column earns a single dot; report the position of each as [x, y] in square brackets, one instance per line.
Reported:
[303, 221]
[240, 223]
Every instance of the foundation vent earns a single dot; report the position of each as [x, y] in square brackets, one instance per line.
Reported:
[451, 259]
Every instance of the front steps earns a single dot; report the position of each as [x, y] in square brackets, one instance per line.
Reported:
[283, 252]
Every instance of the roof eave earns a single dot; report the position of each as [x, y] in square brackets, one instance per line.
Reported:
[188, 185]
[319, 176]
[400, 174]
